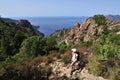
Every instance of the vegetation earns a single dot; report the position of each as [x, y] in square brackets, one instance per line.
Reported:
[99, 19]
[107, 55]
[22, 53]
[18, 48]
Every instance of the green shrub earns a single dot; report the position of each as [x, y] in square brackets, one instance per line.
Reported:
[106, 47]
[99, 19]
[36, 45]
[11, 39]
[94, 65]
[87, 44]
[107, 54]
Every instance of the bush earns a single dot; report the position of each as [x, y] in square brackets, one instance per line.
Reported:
[36, 45]
[11, 38]
[10, 72]
[106, 54]
[35, 73]
[33, 70]
[99, 19]
[66, 57]
[87, 44]
[106, 47]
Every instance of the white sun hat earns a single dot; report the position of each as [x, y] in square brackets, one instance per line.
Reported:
[74, 50]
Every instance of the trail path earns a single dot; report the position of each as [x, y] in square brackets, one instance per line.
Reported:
[60, 69]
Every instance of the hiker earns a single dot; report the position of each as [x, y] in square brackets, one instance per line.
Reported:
[75, 56]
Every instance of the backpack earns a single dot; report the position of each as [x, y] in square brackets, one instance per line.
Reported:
[78, 58]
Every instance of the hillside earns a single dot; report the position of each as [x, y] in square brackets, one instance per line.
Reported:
[23, 25]
[25, 55]
[9, 20]
[100, 34]
[20, 43]
[13, 33]
[85, 32]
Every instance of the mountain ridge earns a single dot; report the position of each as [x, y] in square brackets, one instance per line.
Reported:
[113, 17]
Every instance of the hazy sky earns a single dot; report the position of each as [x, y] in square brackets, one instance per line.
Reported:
[9, 8]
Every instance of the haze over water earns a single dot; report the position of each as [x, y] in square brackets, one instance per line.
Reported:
[49, 25]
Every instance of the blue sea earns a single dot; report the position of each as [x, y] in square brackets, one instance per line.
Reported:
[49, 25]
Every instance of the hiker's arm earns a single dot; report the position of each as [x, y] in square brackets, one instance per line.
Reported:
[75, 58]
[73, 62]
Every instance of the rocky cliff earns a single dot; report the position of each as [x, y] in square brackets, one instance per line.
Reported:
[87, 31]
[25, 25]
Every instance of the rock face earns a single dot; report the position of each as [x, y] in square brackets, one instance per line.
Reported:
[84, 32]
[87, 31]
[60, 35]
[25, 25]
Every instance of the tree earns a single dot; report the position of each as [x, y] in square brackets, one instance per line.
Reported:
[36, 45]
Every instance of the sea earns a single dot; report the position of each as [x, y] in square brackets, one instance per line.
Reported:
[49, 25]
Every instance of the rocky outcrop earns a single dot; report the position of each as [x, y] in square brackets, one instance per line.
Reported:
[23, 25]
[60, 35]
[113, 26]
[87, 31]
[26, 26]
[62, 71]
[82, 32]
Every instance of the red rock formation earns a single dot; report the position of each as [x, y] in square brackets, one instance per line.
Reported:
[87, 31]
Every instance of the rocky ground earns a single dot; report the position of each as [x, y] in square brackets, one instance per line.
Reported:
[62, 72]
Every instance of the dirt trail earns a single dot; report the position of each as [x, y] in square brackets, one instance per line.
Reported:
[60, 69]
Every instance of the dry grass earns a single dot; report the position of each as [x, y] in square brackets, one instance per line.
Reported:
[66, 57]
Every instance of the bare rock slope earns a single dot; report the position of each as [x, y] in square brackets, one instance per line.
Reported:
[62, 72]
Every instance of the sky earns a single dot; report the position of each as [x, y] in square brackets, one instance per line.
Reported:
[29, 8]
